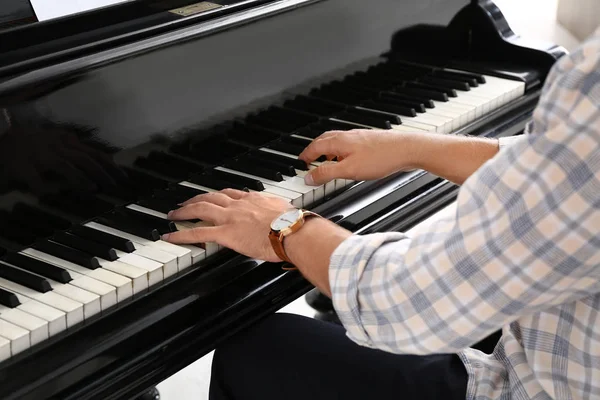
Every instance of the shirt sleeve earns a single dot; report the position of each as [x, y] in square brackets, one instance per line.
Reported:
[525, 236]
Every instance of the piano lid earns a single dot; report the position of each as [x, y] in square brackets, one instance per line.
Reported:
[79, 30]
[16, 12]
[50, 9]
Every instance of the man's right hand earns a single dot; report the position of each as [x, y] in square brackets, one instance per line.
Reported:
[374, 154]
[362, 154]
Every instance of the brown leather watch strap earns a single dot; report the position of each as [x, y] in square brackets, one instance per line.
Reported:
[277, 238]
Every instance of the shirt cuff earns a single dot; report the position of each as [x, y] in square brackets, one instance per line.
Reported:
[507, 141]
[347, 265]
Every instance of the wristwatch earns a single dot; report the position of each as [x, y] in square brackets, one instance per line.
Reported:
[284, 225]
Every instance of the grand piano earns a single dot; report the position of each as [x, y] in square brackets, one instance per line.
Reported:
[111, 117]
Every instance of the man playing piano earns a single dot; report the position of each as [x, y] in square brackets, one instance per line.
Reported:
[522, 253]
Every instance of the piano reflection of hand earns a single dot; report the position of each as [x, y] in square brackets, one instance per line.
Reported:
[43, 158]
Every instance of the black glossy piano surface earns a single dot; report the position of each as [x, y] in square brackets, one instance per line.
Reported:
[114, 116]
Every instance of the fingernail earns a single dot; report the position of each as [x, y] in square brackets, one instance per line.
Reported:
[308, 179]
[165, 236]
[170, 214]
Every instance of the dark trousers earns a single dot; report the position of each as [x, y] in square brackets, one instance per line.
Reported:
[288, 357]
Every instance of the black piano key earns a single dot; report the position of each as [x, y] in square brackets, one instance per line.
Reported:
[212, 182]
[296, 163]
[424, 93]
[329, 125]
[396, 95]
[161, 225]
[67, 253]
[298, 117]
[471, 81]
[104, 237]
[160, 205]
[477, 78]
[287, 148]
[314, 105]
[381, 115]
[8, 299]
[281, 167]
[129, 226]
[416, 105]
[400, 110]
[170, 196]
[38, 267]
[255, 169]
[342, 95]
[180, 163]
[250, 183]
[447, 83]
[311, 133]
[365, 120]
[252, 135]
[185, 191]
[86, 245]
[25, 278]
[265, 121]
[432, 88]
[122, 194]
[162, 168]
[43, 216]
[298, 141]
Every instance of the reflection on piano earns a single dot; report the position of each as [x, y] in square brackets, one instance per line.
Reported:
[118, 115]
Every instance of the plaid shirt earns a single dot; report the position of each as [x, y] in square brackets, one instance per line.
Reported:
[522, 253]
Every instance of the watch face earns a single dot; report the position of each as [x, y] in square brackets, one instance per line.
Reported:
[285, 220]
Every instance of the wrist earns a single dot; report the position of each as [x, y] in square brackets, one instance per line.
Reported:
[417, 147]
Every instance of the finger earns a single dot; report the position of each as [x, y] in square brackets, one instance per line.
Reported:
[202, 210]
[217, 198]
[234, 193]
[328, 134]
[319, 147]
[196, 235]
[324, 173]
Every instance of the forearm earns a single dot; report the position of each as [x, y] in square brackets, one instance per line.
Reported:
[454, 158]
[310, 250]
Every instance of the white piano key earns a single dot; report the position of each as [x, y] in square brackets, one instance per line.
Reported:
[107, 293]
[138, 276]
[19, 337]
[4, 349]
[123, 285]
[73, 309]
[57, 320]
[412, 123]
[160, 246]
[183, 254]
[91, 301]
[305, 191]
[145, 258]
[198, 187]
[37, 327]
[198, 253]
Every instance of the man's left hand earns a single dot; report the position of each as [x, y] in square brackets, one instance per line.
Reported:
[241, 221]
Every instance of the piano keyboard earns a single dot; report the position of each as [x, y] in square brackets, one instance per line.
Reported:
[74, 270]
